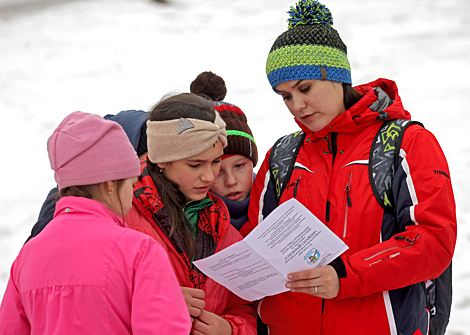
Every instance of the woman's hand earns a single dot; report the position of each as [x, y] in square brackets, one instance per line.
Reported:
[321, 282]
[211, 324]
[194, 300]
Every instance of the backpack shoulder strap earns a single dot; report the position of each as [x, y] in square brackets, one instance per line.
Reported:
[383, 163]
[439, 301]
[282, 159]
[383, 160]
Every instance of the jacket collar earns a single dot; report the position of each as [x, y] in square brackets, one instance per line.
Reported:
[86, 206]
[379, 97]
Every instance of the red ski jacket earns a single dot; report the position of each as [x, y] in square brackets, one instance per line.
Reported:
[147, 206]
[388, 255]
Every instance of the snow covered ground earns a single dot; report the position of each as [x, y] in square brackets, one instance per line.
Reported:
[104, 56]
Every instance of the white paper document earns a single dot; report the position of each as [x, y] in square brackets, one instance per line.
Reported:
[290, 239]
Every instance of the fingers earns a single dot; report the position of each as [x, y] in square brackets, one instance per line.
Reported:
[316, 276]
[313, 290]
[195, 331]
[201, 325]
[304, 281]
[297, 284]
[322, 282]
[197, 293]
[306, 274]
[207, 317]
[197, 303]
[193, 298]
[195, 307]
[193, 292]
[194, 312]
[211, 324]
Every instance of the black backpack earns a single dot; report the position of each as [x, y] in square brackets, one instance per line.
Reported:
[383, 162]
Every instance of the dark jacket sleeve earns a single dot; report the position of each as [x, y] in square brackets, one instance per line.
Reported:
[46, 214]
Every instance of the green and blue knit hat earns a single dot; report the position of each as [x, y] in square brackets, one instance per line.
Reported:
[310, 48]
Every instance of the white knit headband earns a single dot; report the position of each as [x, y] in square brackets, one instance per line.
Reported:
[173, 140]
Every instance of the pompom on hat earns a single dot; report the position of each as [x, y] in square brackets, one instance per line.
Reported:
[239, 136]
[210, 86]
[310, 49]
[86, 149]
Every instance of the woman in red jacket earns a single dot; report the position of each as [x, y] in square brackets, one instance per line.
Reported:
[186, 138]
[375, 287]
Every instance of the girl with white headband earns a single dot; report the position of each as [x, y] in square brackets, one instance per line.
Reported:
[186, 139]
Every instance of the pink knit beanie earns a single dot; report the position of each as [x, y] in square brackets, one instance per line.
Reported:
[86, 149]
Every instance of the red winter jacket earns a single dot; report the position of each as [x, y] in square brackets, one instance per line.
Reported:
[381, 293]
[239, 313]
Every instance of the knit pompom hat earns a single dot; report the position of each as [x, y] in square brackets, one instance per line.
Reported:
[310, 49]
[239, 136]
[86, 149]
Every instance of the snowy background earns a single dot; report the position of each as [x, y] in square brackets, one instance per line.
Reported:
[104, 56]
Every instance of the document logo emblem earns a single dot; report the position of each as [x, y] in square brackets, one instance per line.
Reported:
[312, 256]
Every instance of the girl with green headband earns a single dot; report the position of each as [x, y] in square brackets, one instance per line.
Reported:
[376, 286]
[233, 184]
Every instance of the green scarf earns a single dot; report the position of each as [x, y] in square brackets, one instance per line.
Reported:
[191, 211]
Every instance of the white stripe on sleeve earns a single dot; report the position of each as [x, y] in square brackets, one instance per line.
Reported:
[409, 183]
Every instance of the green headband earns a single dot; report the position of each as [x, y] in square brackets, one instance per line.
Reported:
[240, 133]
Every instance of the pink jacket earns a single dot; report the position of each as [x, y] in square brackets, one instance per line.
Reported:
[86, 274]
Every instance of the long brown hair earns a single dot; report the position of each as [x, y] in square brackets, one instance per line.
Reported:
[185, 105]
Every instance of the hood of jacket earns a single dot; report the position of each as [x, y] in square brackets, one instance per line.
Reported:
[380, 101]
[134, 124]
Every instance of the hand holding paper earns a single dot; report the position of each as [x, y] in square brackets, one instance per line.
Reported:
[321, 282]
[290, 239]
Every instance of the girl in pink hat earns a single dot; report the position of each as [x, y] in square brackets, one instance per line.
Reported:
[86, 273]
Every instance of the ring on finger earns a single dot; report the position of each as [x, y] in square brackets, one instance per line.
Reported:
[316, 289]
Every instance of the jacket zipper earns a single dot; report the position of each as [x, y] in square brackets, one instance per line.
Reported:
[297, 182]
[335, 147]
[348, 203]
[327, 214]
[332, 149]
[410, 241]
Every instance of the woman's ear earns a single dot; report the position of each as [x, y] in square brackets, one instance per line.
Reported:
[101, 191]
[161, 166]
[109, 186]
